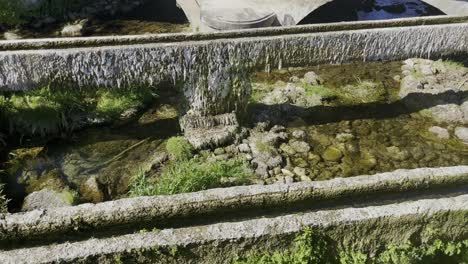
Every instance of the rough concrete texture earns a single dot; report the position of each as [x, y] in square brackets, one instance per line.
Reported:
[364, 228]
[40, 223]
[215, 73]
[58, 43]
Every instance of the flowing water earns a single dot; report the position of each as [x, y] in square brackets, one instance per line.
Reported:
[364, 132]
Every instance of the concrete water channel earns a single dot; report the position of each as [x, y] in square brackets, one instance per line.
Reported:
[216, 226]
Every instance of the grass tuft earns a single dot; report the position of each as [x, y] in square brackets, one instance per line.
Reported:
[191, 176]
[179, 148]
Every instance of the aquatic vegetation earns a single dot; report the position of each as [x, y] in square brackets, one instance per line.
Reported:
[179, 148]
[319, 90]
[361, 92]
[310, 247]
[191, 176]
[49, 111]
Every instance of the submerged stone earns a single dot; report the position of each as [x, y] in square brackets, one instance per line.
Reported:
[332, 154]
[48, 199]
[462, 134]
[440, 132]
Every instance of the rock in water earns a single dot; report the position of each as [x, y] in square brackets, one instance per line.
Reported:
[440, 132]
[11, 35]
[332, 154]
[91, 191]
[462, 134]
[46, 198]
[74, 30]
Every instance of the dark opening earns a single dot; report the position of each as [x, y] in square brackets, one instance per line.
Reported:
[358, 10]
[158, 10]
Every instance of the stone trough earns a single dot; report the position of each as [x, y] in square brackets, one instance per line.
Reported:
[215, 226]
[212, 70]
[368, 207]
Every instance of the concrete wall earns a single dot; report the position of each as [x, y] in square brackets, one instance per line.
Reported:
[214, 73]
[361, 229]
[161, 211]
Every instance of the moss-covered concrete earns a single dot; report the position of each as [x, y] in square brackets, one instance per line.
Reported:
[198, 207]
[363, 229]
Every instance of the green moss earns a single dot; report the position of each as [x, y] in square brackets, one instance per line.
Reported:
[310, 247]
[264, 147]
[451, 65]
[191, 176]
[362, 92]
[52, 110]
[307, 248]
[69, 196]
[319, 90]
[179, 148]
[112, 104]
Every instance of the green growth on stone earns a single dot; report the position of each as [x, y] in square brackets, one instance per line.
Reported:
[312, 248]
[113, 103]
[179, 148]
[52, 110]
[191, 176]
[363, 91]
[319, 90]
[307, 248]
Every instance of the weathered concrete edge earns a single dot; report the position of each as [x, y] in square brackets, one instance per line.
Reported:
[60, 43]
[356, 228]
[40, 223]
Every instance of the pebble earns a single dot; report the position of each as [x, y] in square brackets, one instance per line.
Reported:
[244, 148]
[332, 154]
[301, 172]
[440, 132]
[288, 179]
[299, 134]
[287, 173]
[300, 146]
[287, 149]
[462, 133]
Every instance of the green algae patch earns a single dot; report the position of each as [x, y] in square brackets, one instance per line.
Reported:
[315, 248]
[319, 90]
[50, 111]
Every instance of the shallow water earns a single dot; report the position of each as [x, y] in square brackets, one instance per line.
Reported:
[346, 137]
[372, 137]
